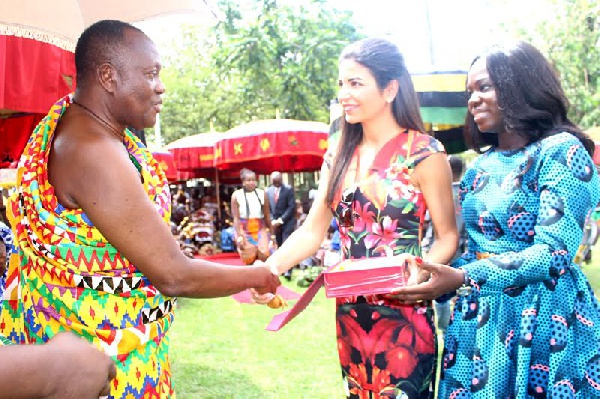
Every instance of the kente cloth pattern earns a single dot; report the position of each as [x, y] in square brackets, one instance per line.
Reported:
[531, 326]
[254, 230]
[6, 240]
[386, 349]
[67, 276]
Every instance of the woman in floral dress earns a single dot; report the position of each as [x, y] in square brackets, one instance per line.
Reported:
[526, 324]
[377, 181]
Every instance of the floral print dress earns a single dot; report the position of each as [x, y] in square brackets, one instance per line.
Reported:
[531, 326]
[386, 349]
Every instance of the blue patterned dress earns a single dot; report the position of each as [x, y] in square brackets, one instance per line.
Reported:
[531, 327]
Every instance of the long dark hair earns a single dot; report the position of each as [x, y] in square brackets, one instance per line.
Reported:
[530, 96]
[385, 62]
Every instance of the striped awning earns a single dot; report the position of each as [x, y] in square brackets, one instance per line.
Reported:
[442, 96]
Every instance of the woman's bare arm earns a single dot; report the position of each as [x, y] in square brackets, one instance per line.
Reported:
[434, 178]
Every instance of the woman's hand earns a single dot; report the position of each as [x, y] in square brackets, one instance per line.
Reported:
[444, 279]
[261, 299]
[413, 273]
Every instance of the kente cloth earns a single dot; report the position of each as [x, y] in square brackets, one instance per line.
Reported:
[254, 230]
[6, 240]
[257, 236]
[66, 276]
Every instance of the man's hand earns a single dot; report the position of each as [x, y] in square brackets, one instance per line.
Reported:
[270, 289]
[79, 371]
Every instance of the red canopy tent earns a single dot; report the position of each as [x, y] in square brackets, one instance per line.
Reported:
[33, 75]
[37, 63]
[194, 157]
[195, 153]
[265, 146]
[167, 163]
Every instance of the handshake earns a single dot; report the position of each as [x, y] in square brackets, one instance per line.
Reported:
[274, 301]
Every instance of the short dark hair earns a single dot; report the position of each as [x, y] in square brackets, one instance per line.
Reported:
[457, 164]
[530, 96]
[246, 171]
[386, 63]
[101, 42]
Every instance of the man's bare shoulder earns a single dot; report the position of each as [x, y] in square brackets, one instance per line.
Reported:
[81, 152]
[78, 137]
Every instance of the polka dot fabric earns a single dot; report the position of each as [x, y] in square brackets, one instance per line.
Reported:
[531, 327]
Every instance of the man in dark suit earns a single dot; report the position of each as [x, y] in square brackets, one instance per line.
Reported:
[283, 211]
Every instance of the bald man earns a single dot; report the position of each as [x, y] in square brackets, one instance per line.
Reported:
[283, 210]
[97, 254]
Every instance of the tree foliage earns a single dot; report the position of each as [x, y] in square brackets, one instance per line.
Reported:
[571, 39]
[262, 59]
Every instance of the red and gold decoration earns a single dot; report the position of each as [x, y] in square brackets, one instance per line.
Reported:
[194, 157]
[275, 144]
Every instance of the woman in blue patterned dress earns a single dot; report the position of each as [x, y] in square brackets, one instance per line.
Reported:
[526, 323]
[378, 184]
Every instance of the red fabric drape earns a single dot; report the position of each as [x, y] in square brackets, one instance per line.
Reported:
[33, 75]
[14, 133]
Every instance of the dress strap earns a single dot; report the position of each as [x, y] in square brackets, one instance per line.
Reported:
[248, 204]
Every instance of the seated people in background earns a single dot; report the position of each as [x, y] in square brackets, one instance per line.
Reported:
[209, 199]
[227, 239]
[180, 209]
[329, 253]
[300, 215]
[195, 200]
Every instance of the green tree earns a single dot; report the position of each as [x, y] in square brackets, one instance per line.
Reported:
[570, 36]
[262, 59]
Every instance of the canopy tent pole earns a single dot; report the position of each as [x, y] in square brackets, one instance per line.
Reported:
[293, 182]
[218, 194]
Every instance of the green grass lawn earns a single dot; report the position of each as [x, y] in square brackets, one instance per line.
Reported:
[220, 349]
